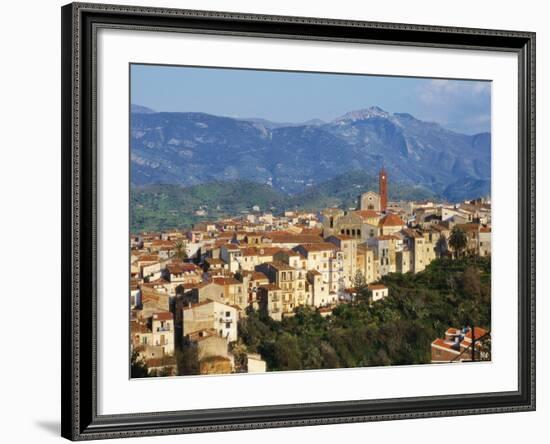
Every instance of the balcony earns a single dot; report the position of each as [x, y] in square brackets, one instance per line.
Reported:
[161, 329]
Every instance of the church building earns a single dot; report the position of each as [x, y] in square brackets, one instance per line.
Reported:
[376, 201]
[362, 223]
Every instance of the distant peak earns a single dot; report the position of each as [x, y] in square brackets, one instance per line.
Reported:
[138, 109]
[363, 114]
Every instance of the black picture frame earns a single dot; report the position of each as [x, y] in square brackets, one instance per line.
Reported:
[80, 420]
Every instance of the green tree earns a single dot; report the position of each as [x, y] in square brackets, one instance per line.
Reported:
[441, 246]
[187, 360]
[287, 352]
[138, 367]
[363, 294]
[458, 240]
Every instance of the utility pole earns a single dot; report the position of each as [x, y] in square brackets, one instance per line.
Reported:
[473, 344]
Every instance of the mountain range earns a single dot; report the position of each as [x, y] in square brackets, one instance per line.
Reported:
[189, 149]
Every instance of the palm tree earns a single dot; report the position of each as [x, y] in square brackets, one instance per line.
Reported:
[458, 240]
[180, 251]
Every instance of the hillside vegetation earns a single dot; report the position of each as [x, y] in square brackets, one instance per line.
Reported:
[395, 331]
[160, 207]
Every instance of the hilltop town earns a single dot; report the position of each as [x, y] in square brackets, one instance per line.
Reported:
[189, 289]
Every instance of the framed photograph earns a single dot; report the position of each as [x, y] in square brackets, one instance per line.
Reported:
[282, 221]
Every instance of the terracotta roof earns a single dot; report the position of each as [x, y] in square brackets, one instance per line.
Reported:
[321, 246]
[367, 214]
[377, 287]
[162, 243]
[159, 281]
[148, 258]
[447, 345]
[160, 362]
[214, 261]
[479, 332]
[485, 230]
[468, 227]
[179, 268]
[205, 302]
[226, 281]
[138, 327]
[343, 237]
[286, 238]
[163, 316]
[258, 276]
[259, 251]
[386, 237]
[391, 220]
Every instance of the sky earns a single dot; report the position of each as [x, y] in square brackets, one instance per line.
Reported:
[460, 105]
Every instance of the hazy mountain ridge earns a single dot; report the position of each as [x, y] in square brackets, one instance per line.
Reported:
[194, 148]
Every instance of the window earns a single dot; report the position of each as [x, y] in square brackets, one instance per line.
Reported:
[227, 314]
[228, 325]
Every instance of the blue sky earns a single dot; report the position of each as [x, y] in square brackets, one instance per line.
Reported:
[460, 105]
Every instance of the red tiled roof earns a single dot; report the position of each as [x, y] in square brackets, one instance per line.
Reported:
[386, 237]
[321, 246]
[163, 316]
[226, 281]
[447, 345]
[367, 214]
[377, 287]
[391, 220]
[179, 268]
[478, 331]
[468, 227]
[148, 258]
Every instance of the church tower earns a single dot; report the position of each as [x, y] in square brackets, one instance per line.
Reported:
[383, 189]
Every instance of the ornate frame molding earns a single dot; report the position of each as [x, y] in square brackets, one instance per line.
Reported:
[80, 22]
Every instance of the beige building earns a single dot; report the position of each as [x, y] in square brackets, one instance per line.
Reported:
[367, 263]
[270, 301]
[162, 326]
[290, 281]
[348, 246]
[323, 258]
[385, 248]
[369, 201]
[319, 291]
[484, 241]
[252, 280]
[234, 293]
[211, 315]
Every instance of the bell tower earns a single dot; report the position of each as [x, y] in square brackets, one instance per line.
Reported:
[383, 189]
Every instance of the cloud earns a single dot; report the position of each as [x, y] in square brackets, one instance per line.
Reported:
[461, 105]
[441, 91]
